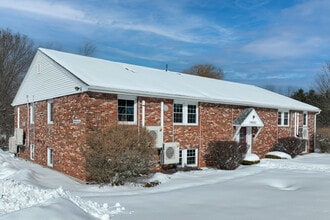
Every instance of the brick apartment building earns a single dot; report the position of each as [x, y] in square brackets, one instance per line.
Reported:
[63, 96]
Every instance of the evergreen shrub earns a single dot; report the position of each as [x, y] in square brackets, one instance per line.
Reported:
[290, 145]
[226, 155]
[121, 153]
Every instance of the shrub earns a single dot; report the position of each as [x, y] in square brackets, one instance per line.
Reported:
[226, 155]
[290, 145]
[122, 153]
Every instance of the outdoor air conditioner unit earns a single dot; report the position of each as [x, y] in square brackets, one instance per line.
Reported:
[157, 133]
[170, 153]
[19, 136]
[12, 145]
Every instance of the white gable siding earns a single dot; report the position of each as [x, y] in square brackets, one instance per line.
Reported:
[44, 80]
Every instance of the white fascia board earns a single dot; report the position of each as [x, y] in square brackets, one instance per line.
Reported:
[196, 99]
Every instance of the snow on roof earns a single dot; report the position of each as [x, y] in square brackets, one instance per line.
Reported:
[107, 76]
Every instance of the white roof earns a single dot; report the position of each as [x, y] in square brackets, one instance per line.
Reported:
[121, 78]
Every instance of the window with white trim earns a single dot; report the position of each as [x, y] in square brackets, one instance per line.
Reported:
[283, 118]
[185, 113]
[127, 109]
[50, 111]
[50, 157]
[178, 113]
[305, 119]
[188, 157]
[32, 151]
[32, 113]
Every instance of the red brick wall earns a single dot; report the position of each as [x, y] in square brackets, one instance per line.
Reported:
[97, 111]
[66, 138]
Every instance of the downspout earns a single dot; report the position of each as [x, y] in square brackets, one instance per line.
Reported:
[315, 128]
[200, 134]
[162, 115]
[27, 121]
[143, 112]
[18, 117]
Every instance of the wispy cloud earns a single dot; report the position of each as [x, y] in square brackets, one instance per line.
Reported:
[52, 9]
[283, 46]
[165, 21]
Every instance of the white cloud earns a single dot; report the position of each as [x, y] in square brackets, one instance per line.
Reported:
[52, 9]
[298, 31]
[283, 46]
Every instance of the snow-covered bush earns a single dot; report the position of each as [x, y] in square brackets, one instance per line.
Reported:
[290, 145]
[277, 155]
[119, 154]
[251, 159]
[226, 155]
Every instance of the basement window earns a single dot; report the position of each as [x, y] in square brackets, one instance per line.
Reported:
[50, 157]
[283, 118]
[188, 157]
[185, 113]
[32, 151]
[127, 109]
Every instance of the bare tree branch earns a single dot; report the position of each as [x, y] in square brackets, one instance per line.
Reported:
[16, 54]
[206, 70]
[87, 49]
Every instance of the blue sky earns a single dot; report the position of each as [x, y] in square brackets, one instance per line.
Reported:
[280, 44]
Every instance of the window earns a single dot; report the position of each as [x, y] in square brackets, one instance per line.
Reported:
[188, 157]
[283, 118]
[50, 111]
[178, 113]
[126, 109]
[185, 113]
[50, 157]
[180, 157]
[192, 114]
[32, 151]
[32, 113]
[305, 119]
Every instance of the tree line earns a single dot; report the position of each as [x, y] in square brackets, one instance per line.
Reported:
[319, 97]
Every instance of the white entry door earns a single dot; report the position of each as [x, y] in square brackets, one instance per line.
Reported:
[245, 136]
[249, 139]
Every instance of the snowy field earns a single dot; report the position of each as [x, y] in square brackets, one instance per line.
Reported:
[273, 189]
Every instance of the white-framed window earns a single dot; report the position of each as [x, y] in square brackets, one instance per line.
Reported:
[283, 118]
[127, 109]
[185, 113]
[32, 151]
[32, 113]
[305, 119]
[50, 112]
[188, 157]
[50, 157]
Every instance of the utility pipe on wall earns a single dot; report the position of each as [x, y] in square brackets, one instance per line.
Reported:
[162, 114]
[143, 112]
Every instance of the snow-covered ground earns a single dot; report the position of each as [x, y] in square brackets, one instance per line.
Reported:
[274, 189]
